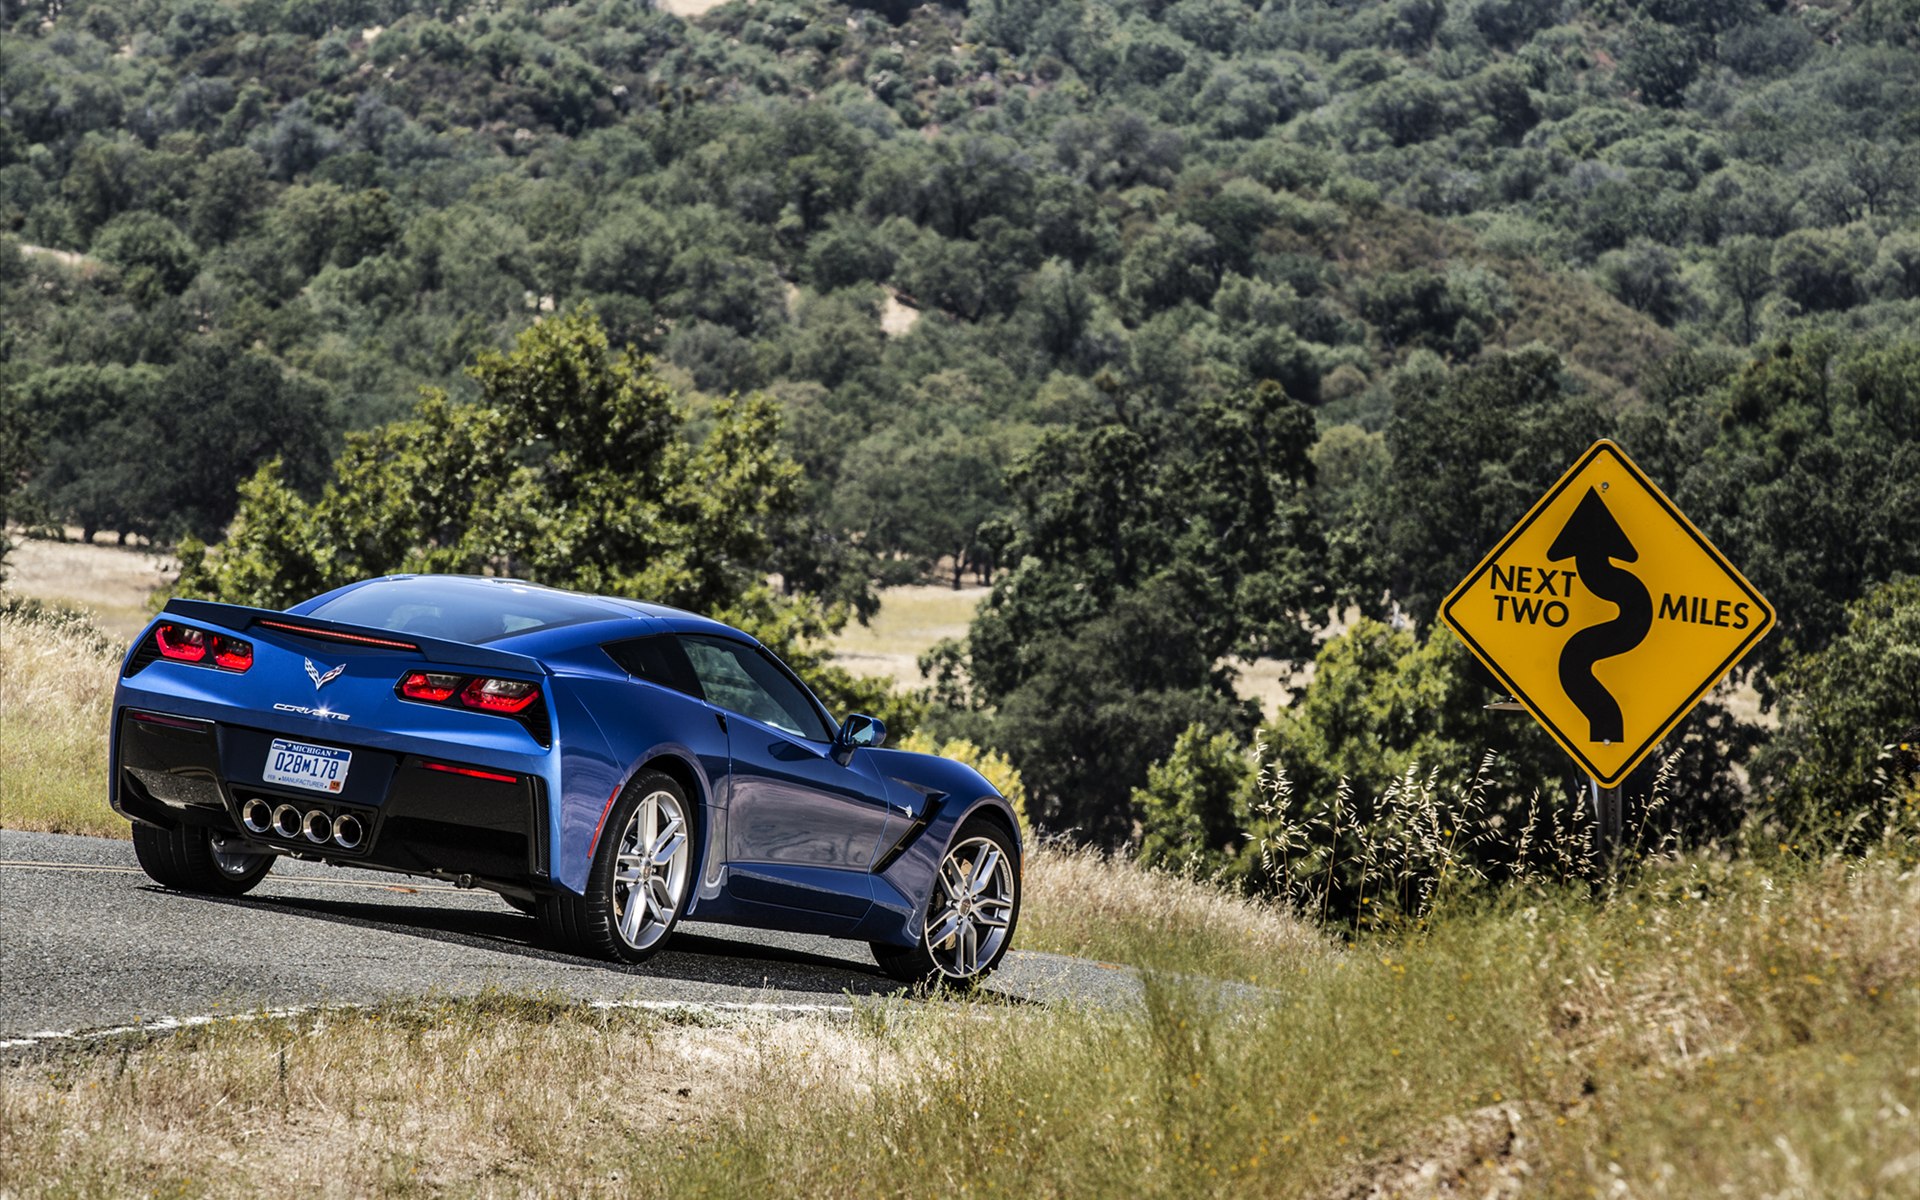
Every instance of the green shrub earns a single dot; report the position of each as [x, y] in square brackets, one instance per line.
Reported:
[1193, 807]
[1845, 713]
[1389, 780]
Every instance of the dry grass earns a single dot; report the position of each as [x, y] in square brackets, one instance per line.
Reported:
[56, 693]
[83, 264]
[1272, 683]
[1085, 903]
[115, 585]
[1721, 1028]
[1756, 1030]
[911, 619]
[496, 1095]
[897, 319]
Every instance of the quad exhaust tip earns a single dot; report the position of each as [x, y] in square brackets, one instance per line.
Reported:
[316, 826]
[348, 831]
[257, 816]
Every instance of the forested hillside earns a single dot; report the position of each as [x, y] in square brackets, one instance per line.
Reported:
[1189, 320]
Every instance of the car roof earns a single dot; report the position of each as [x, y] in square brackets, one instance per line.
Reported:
[585, 607]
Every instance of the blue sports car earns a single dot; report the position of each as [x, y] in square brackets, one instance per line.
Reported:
[611, 767]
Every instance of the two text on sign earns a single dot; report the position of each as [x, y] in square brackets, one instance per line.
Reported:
[1606, 613]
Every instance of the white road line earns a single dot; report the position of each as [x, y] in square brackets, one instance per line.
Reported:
[158, 1025]
[172, 1024]
[757, 1007]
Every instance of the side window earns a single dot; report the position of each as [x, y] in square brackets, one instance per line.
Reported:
[655, 659]
[741, 679]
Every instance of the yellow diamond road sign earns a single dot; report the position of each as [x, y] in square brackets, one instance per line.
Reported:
[1607, 613]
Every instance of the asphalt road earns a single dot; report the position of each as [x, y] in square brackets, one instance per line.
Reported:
[88, 942]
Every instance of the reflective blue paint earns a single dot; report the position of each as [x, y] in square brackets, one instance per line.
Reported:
[788, 830]
[641, 723]
[795, 802]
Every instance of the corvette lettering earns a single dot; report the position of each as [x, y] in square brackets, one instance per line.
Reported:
[304, 711]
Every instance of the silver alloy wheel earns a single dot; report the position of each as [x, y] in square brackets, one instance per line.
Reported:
[972, 908]
[236, 863]
[650, 870]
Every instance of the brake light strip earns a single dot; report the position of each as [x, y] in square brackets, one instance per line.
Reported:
[336, 636]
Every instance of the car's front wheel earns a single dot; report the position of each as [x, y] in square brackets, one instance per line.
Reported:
[641, 881]
[971, 915]
[193, 858]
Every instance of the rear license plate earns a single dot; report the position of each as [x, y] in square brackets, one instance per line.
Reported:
[316, 768]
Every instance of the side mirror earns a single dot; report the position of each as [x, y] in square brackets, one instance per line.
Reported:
[861, 730]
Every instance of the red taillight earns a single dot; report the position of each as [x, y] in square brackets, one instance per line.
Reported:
[172, 722]
[420, 685]
[232, 653]
[472, 772]
[499, 695]
[183, 643]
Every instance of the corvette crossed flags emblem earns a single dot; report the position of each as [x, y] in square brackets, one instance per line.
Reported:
[319, 680]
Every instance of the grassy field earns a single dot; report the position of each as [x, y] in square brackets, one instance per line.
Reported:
[113, 584]
[1722, 1024]
[910, 620]
[56, 688]
[1716, 1029]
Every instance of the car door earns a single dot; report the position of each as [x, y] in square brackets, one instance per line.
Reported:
[805, 820]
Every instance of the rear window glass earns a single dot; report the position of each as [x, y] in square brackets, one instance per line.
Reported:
[458, 612]
[743, 679]
[656, 659]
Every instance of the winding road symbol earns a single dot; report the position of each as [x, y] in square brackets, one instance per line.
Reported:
[1593, 540]
[1606, 614]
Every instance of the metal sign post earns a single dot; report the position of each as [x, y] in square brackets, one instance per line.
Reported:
[1606, 821]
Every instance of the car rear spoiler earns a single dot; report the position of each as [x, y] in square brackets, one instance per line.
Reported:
[440, 651]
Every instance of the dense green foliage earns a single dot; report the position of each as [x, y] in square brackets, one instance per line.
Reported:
[573, 465]
[1144, 552]
[1194, 804]
[1184, 324]
[13, 468]
[573, 468]
[1867, 680]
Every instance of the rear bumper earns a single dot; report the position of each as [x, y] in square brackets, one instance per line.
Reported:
[422, 811]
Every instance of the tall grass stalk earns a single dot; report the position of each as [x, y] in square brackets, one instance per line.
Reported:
[56, 688]
[1425, 839]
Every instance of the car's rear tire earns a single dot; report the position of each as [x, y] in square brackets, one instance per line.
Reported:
[193, 858]
[642, 879]
[971, 915]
